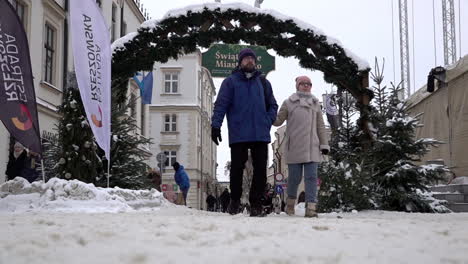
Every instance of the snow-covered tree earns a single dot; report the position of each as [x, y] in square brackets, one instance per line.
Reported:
[343, 184]
[386, 175]
[78, 157]
[128, 167]
[399, 182]
[50, 154]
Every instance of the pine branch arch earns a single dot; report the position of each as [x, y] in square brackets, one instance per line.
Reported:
[183, 31]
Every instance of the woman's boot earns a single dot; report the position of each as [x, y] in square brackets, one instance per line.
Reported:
[311, 210]
[290, 203]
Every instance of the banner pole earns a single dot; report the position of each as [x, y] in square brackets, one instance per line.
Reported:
[42, 164]
[43, 173]
[108, 172]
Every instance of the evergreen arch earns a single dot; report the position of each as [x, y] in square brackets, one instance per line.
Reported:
[183, 30]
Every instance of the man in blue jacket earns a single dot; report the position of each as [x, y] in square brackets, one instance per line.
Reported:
[182, 179]
[246, 98]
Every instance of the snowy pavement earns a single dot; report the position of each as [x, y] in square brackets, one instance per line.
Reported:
[173, 234]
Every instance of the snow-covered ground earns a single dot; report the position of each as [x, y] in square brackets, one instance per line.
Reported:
[72, 222]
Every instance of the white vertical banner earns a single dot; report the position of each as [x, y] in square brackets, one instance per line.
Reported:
[92, 57]
[331, 109]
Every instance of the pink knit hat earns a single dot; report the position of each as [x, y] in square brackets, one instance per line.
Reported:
[302, 79]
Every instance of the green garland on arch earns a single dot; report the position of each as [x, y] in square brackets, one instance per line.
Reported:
[175, 36]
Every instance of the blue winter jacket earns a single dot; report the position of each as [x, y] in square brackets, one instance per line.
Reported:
[243, 101]
[181, 178]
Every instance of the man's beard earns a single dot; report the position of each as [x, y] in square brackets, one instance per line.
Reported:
[248, 68]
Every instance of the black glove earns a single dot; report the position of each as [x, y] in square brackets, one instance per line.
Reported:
[215, 135]
[325, 151]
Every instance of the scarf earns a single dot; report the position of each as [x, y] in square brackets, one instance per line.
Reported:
[304, 95]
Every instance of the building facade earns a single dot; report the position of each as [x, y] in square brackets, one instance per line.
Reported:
[180, 124]
[46, 23]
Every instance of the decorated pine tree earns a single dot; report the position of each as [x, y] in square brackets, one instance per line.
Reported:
[77, 158]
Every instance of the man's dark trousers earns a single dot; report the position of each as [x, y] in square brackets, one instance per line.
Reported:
[239, 155]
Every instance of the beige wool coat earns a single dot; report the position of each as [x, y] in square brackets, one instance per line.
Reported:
[305, 131]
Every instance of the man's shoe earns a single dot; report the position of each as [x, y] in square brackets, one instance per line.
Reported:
[233, 207]
[256, 211]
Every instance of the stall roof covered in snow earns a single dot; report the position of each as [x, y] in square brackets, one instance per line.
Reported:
[153, 23]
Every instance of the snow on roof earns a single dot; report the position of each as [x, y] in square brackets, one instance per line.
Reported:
[152, 23]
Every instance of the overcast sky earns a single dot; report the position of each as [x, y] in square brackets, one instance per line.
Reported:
[364, 27]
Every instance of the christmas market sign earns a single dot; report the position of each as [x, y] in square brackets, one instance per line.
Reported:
[221, 59]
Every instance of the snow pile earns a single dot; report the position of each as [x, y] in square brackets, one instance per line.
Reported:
[153, 23]
[20, 196]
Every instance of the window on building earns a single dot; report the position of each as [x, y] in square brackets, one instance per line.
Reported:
[123, 29]
[20, 8]
[171, 158]
[171, 82]
[114, 22]
[49, 53]
[170, 123]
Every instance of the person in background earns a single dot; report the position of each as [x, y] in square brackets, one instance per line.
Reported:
[225, 197]
[16, 161]
[210, 202]
[277, 204]
[29, 171]
[155, 177]
[301, 198]
[306, 140]
[181, 178]
[246, 98]
[267, 200]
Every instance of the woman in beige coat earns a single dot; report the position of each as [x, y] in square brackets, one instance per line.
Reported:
[306, 141]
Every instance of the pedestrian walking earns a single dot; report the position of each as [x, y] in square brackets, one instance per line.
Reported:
[21, 163]
[155, 177]
[182, 179]
[247, 100]
[306, 140]
[210, 202]
[225, 198]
